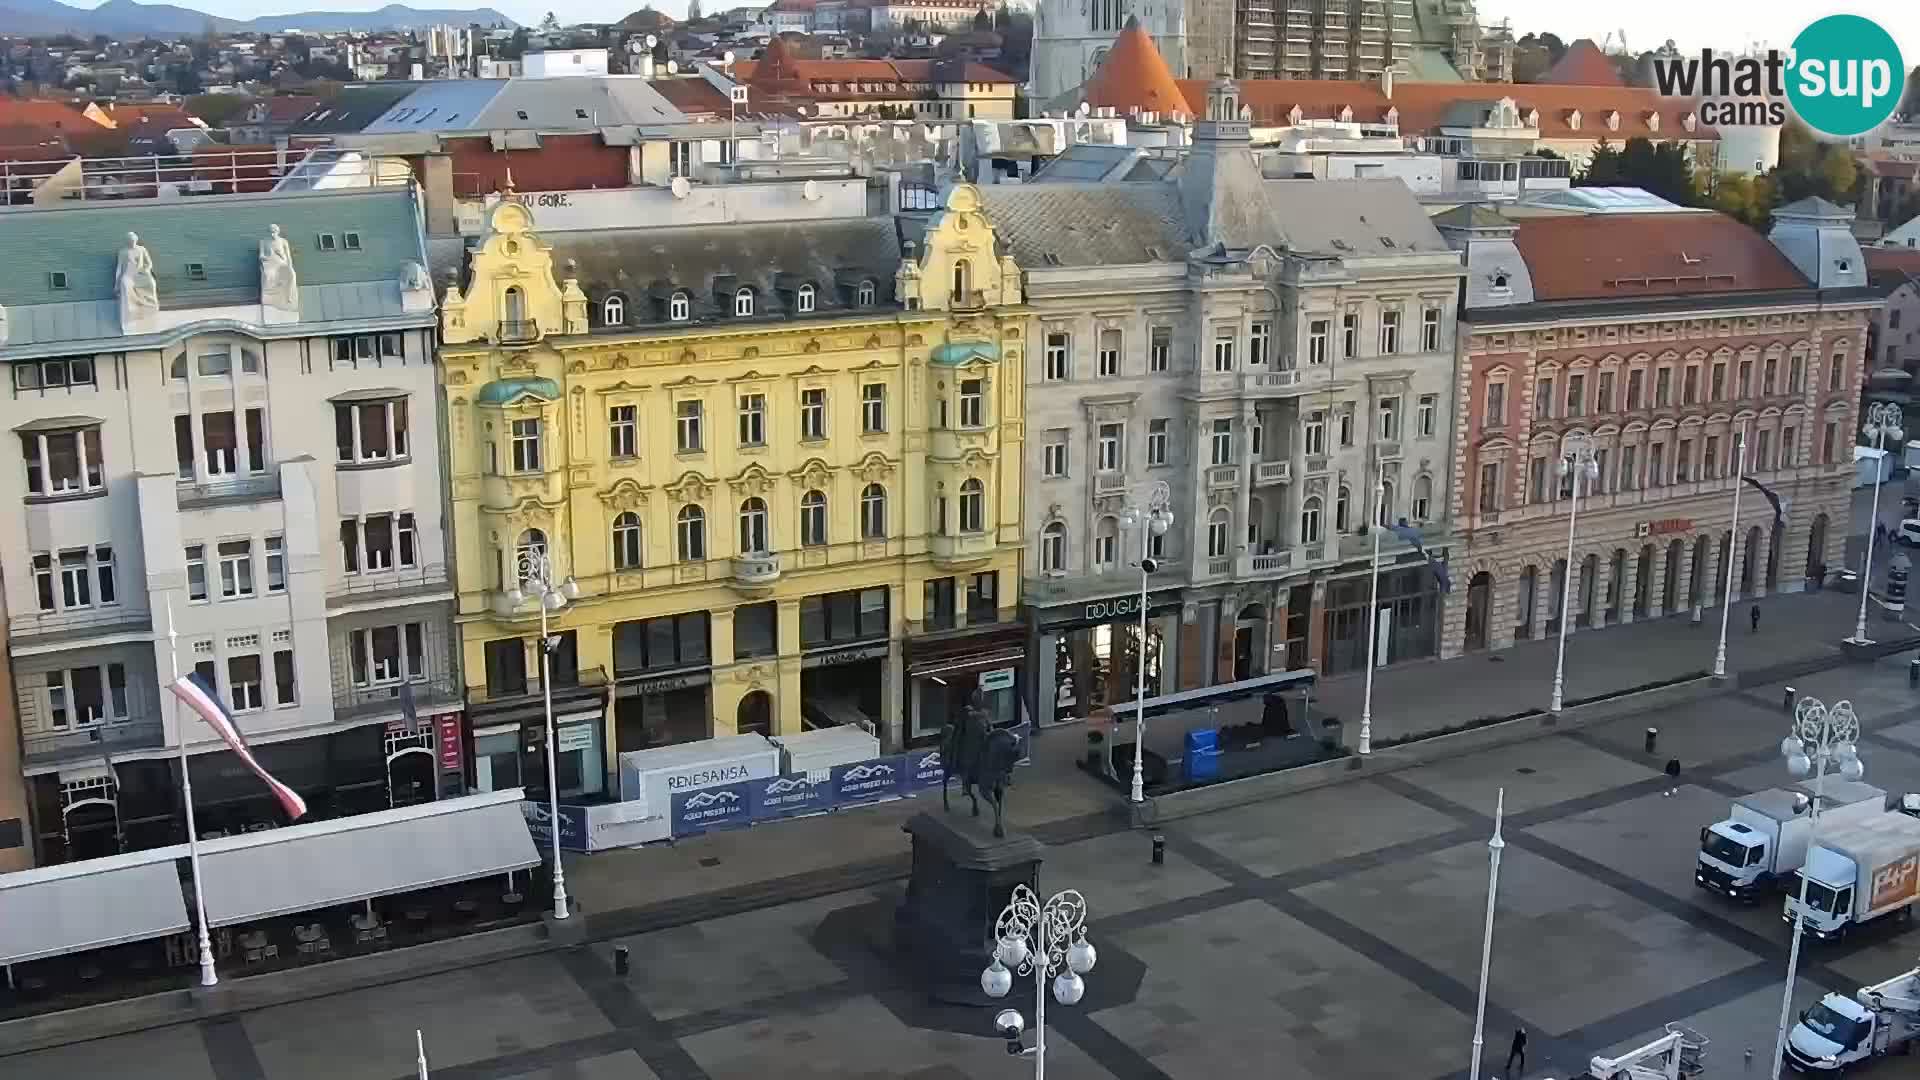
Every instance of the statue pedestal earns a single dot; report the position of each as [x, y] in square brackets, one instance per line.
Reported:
[962, 878]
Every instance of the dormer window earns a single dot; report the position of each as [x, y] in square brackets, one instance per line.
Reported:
[613, 311]
[1845, 265]
[1500, 281]
[742, 303]
[803, 300]
[865, 294]
[1653, 121]
[1613, 120]
[1573, 120]
[679, 307]
[1690, 121]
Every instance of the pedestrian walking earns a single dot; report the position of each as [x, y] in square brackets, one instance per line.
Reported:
[1518, 1053]
[1753, 618]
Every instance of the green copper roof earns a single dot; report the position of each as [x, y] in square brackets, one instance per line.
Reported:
[220, 233]
[502, 391]
[954, 355]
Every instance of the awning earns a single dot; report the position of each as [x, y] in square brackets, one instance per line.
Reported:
[92, 904]
[327, 863]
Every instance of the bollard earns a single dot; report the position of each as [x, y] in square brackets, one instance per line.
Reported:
[1791, 694]
[1159, 850]
[1913, 673]
[1653, 734]
[619, 959]
[1748, 1064]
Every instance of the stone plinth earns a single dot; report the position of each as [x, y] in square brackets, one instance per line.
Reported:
[962, 878]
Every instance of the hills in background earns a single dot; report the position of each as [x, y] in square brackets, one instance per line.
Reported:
[124, 18]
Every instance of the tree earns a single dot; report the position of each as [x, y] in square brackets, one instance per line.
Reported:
[1659, 169]
[218, 110]
[982, 21]
[1603, 167]
[693, 11]
[1746, 198]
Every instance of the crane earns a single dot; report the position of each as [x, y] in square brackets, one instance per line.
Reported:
[1677, 1055]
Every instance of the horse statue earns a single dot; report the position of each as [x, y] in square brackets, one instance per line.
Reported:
[983, 757]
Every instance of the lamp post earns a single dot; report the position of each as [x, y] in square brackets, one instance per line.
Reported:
[1154, 520]
[1495, 845]
[1373, 615]
[1819, 737]
[1733, 539]
[533, 568]
[1576, 461]
[1040, 940]
[1883, 422]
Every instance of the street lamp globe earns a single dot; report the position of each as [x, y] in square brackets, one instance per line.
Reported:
[516, 596]
[1792, 746]
[1844, 750]
[570, 588]
[1081, 956]
[1069, 988]
[1130, 517]
[1009, 1023]
[996, 980]
[1799, 764]
[1853, 768]
[1013, 951]
[1160, 521]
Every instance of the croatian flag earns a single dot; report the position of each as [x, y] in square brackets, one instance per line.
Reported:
[202, 700]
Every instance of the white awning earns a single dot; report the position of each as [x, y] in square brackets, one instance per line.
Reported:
[326, 863]
[91, 904]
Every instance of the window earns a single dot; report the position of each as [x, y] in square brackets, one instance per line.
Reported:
[687, 433]
[692, 528]
[1663, 388]
[873, 512]
[864, 295]
[665, 643]
[753, 420]
[1422, 507]
[196, 572]
[1057, 367]
[1828, 437]
[525, 444]
[1343, 509]
[1350, 333]
[381, 655]
[1629, 477]
[86, 696]
[283, 687]
[1690, 385]
[626, 541]
[236, 568]
[1489, 487]
[1257, 433]
[1345, 422]
[1219, 533]
[1762, 448]
[1603, 394]
[1496, 415]
[1543, 398]
[742, 303]
[86, 579]
[937, 603]
[1109, 443]
[1770, 372]
[1053, 548]
[813, 519]
[972, 403]
[803, 300]
[613, 311]
[63, 461]
[623, 431]
[1710, 464]
[1223, 349]
[1657, 465]
[1837, 370]
[1430, 329]
[1223, 441]
[1597, 485]
[1389, 331]
[679, 307]
[529, 551]
[1797, 375]
[1053, 455]
[1683, 462]
[65, 371]
[873, 408]
[1257, 340]
[973, 507]
[1383, 512]
[1537, 480]
[1576, 395]
[370, 430]
[1429, 414]
[349, 351]
[1636, 389]
[243, 682]
[1160, 348]
[983, 597]
[854, 615]
[1317, 342]
[1106, 544]
[1156, 442]
[753, 527]
[1310, 520]
[1389, 418]
[1109, 353]
[1315, 437]
[1789, 447]
[277, 560]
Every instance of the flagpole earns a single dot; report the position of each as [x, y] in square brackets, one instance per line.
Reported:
[1733, 546]
[208, 977]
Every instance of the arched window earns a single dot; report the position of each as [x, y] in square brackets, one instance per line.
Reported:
[1310, 520]
[692, 526]
[1053, 548]
[743, 302]
[873, 512]
[513, 308]
[1219, 533]
[626, 541]
[753, 527]
[1343, 509]
[613, 310]
[962, 280]
[1386, 504]
[865, 295]
[529, 555]
[803, 299]
[813, 519]
[1106, 544]
[973, 506]
[1422, 498]
[679, 307]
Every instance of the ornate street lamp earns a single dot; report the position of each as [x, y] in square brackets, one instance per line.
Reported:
[534, 570]
[1041, 940]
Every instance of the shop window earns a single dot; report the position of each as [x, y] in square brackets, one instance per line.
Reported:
[938, 601]
[838, 618]
[755, 631]
[983, 597]
[661, 644]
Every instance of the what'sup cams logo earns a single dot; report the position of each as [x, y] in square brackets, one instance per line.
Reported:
[1843, 77]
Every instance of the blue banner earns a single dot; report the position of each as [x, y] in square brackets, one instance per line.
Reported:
[790, 795]
[573, 825]
[709, 808]
[865, 781]
[924, 769]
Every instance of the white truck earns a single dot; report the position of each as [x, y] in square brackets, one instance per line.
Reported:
[1763, 839]
[1840, 1031]
[1858, 873]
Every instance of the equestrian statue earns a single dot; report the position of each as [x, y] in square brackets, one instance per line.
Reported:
[983, 757]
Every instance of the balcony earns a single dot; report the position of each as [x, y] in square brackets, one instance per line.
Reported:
[970, 300]
[756, 571]
[92, 742]
[1272, 472]
[518, 331]
[955, 444]
[1223, 476]
[1269, 565]
[371, 586]
[61, 627]
[367, 701]
[1317, 465]
[962, 551]
[1105, 484]
[233, 491]
[1258, 382]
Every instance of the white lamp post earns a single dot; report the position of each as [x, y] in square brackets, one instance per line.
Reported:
[1152, 521]
[1373, 616]
[1733, 540]
[1883, 422]
[1042, 940]
[1820, 737]
[533, 568]
[1495, 845]
[1576, 462]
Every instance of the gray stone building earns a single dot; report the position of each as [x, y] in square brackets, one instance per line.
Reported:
[1266, 349]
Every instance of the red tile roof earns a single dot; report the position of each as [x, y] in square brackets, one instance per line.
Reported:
[1134, 75]
[1583, 64]
[779, 71]
[1610, 256]
[39, 113]
[1905, 260]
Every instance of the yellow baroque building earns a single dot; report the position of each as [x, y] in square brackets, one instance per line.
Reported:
[780, 462]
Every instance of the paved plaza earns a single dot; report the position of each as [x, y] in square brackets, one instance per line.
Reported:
[1334, 933]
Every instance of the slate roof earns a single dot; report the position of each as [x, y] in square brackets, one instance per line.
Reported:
[1617, 256]
[709, 262]
[1089, 224]
[580, 103]
[1352, 217]
[352, 109]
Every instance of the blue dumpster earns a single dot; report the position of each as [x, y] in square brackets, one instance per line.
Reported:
[1203, 755]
